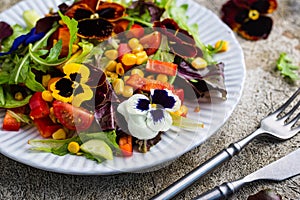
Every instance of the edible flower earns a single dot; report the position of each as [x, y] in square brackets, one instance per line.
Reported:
[248, 18]
[95, 18]
[72, 88]
[146, 117]
[26, 39]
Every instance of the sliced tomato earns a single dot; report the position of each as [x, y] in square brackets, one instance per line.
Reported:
[73, 118]
[125, 144]
[10, 123]
[45, 126]
[145, 84]
[160, 67]
[151, 42]
[39, 107]
[135, 31]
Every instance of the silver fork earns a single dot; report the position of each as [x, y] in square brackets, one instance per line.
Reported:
[273, 125]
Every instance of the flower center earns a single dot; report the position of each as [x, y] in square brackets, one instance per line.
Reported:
[154, 105]
[253, 14]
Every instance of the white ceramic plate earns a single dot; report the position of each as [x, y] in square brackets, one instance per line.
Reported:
[173, 144]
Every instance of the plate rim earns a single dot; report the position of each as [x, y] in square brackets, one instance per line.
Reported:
[146, 167]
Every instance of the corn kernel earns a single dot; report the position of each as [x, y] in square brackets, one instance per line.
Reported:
[129, 59]
[133, 43]
[126, 78]
[120, 69]
[47, 96]
[118, 85]
[111, 54]
[73, 147]
[142, 57]
[19, 96]
[45, 80]
[199, 63]
[162, 78]
[128, 91]
[60, 134]
[111, 66]
[138, 48]
[52, 116]
[138, 72]
[224, 47]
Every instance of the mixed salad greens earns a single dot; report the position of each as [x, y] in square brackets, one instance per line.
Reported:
[101, 79]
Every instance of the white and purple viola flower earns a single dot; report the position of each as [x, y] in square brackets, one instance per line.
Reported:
[146, 116]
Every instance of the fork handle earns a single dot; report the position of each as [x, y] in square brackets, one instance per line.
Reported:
[200, 171]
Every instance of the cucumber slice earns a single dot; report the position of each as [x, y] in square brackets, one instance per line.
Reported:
[30, 17]
[97, 148]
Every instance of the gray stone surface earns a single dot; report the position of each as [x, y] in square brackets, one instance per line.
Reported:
[264, 90]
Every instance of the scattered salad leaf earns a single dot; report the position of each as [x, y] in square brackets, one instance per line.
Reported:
[8, 42]
[286, 68]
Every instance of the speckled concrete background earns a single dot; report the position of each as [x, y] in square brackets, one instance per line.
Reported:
[264, 90]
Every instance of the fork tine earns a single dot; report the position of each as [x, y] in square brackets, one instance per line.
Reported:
[287, 103]
[294, 121]
[289, 114]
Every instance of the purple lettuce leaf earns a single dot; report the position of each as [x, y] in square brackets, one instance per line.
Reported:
[5, 31]
[206, 83]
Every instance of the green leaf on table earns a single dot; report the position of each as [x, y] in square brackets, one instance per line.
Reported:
[285, 65]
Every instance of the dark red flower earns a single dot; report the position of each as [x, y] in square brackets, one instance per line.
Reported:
[95, 18]
[248, 17]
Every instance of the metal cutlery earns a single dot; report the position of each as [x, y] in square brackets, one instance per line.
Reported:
[282, 169]
[276, 125]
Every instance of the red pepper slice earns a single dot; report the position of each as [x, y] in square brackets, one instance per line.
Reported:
[145, 84]
[46, 126]
[160, 67]
[39, 107]
[125, 144]
[10, 123]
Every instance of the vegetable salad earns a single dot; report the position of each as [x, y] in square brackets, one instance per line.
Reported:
[101, 79]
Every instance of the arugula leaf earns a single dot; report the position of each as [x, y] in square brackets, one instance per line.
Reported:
[32, 84]
[54, 52]
[286, 68]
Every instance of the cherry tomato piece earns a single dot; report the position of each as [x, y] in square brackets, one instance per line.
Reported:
[151, 42]
[10, 123]
[73, 118]
[135, 31]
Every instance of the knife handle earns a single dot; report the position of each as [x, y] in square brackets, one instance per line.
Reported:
[220, 192]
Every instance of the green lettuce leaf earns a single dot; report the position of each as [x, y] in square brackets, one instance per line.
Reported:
[286, 68]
